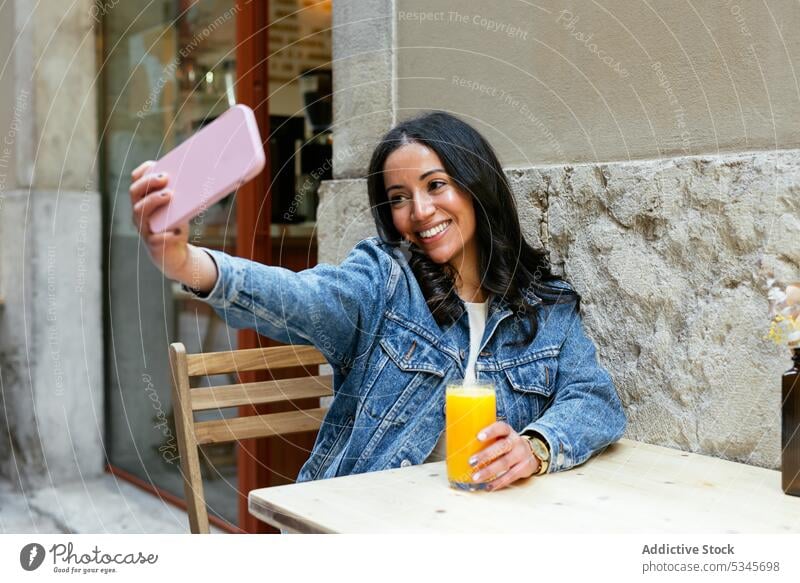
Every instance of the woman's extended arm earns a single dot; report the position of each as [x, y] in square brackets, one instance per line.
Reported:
[335, 308]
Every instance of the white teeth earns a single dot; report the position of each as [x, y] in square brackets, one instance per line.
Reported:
[434, 231]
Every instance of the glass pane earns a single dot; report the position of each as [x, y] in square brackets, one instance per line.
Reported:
[301, 110]
[169, 70]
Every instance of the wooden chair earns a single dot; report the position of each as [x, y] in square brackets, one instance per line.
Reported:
[192, 434]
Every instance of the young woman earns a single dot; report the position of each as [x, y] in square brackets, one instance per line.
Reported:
[449, 290]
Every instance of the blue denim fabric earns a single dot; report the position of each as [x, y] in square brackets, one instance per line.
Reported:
[392, 361]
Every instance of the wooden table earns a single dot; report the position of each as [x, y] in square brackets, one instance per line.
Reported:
[632, 487]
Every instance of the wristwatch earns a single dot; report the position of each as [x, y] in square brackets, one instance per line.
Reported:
[540, 450]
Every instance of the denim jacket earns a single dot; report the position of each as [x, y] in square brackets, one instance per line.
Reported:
[391, 361]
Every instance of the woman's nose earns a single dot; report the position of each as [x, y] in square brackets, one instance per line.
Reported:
[423, 207]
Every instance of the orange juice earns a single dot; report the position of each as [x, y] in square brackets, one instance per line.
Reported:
[468, 409]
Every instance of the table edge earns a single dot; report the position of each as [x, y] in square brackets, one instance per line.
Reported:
[283, 519]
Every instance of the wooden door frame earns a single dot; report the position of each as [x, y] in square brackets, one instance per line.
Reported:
[252, 211]
[271, 461]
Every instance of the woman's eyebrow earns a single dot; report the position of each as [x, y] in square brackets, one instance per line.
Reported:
[429, 172]
[422, 176]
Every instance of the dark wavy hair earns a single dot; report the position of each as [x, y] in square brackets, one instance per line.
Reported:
[511, 268]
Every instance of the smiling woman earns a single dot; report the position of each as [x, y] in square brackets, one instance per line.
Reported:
[435, 172]
[431, 211]
[449, 290]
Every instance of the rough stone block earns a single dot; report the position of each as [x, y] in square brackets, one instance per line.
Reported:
[51, 344]
[669, 257]
[343, 219]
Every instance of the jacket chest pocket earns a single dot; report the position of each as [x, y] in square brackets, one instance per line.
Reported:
[409, 371]
[532, 380]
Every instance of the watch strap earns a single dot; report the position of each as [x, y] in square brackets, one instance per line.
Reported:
[544, 460]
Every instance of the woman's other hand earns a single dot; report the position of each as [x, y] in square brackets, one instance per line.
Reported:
[505, 460]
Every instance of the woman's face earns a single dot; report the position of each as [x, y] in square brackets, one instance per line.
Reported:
[428, 208]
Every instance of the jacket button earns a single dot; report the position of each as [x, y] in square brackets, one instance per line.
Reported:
[405, 463]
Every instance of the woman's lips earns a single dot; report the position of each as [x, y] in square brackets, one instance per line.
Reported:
[437, 236]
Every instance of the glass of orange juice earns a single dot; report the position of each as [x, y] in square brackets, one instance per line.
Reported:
[469, 407]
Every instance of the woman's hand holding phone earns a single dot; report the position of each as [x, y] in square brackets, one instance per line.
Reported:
[170, 251]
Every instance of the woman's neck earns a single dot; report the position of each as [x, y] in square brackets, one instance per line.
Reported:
[472, 294]
[468, 285]
[468, 277]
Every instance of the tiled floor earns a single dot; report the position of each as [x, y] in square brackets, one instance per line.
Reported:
[101, 505]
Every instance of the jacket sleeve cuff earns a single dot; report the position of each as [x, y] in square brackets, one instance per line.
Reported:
[224, 291]
[556, 443]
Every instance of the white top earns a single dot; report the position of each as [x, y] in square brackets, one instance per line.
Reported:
[477, 324]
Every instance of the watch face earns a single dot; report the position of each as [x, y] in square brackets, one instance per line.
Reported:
[540, 449]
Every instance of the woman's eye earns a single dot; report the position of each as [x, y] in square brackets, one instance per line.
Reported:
[436, 184]
[396, 200]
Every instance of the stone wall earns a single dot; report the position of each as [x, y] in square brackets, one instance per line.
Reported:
[51, 331]
[363, 81]
[51, 338]
[565, 81]
[667, 255]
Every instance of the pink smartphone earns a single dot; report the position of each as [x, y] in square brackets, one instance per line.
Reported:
[213, 163]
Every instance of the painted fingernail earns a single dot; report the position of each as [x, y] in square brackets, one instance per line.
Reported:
[165, 193]
[476, 477]
[481, 436]
[473, 460]
[160, 175]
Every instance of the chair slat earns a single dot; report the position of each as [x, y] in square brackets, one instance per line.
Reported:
[261, 392]
[274, 357]
[259, 426]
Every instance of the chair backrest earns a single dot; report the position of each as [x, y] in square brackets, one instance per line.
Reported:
[191, 433]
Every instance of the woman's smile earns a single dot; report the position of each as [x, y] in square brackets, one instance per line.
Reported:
[434, 233]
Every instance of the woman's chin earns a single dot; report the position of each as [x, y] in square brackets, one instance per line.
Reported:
[439, 256]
